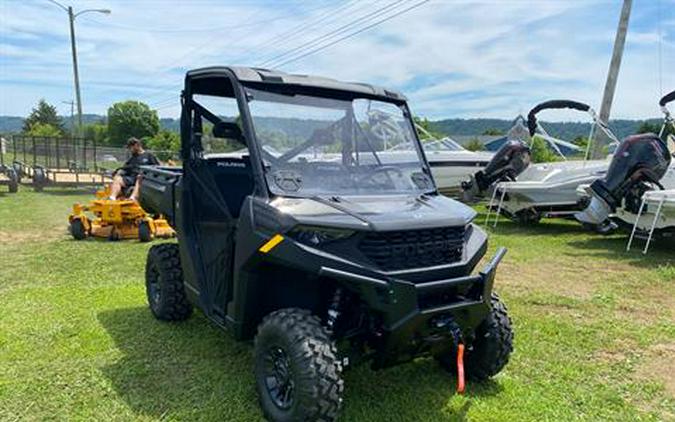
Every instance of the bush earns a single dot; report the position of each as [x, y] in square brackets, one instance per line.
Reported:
[541, 152]
[475, 145]
[165, 144]
[43, 129]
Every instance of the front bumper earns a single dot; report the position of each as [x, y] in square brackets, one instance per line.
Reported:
[412, 312]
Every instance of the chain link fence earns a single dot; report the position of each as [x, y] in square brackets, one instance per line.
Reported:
[67, 153]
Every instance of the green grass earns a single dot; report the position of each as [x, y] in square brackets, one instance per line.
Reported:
[595, 336]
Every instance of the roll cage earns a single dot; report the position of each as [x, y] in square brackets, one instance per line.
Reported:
[230, 82]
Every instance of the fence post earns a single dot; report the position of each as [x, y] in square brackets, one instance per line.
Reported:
[58, 153]
[95, 161]
[84, 153]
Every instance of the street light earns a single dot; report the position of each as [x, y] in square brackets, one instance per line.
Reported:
[71, 18]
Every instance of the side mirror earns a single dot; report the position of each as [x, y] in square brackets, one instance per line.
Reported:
[228, 130]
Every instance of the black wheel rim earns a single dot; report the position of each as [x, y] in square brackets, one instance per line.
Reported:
[279, 377]
[154, 288]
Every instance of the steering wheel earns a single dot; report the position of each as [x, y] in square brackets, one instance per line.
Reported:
[378, 170]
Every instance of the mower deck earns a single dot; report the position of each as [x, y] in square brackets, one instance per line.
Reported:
[116, 220]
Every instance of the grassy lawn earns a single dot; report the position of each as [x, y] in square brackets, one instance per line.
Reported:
[595, 335]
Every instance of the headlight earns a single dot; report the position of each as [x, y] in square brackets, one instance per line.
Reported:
[315, 236]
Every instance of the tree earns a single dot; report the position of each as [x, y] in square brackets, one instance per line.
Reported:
[655, 127]
[43, 129]
[581, 142]
[475, 145]
[427, 131]
[97, 132]
[165, 144]
[649, 127]
[493, 132]
[44, 114]
[541, 153]
[131, 119]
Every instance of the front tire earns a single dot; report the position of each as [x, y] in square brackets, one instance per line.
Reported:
[491, 348]
[144, 231]
[164, 284]
[77, 229]
[297, 371]
[493, 343]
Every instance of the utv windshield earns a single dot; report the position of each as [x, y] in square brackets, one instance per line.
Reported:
[317, 146]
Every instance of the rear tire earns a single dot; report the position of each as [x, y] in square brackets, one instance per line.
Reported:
[13, 180]
[39, 180]
[164, 284]
[297, 371]
[77, 230]
[526, 217]
[144, 232]
[491, 348]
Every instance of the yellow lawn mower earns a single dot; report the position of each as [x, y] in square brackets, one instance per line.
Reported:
[116, 220]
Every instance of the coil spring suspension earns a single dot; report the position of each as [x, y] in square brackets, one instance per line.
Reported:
[334, 310]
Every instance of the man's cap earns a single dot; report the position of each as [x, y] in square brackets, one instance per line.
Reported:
[133, 141]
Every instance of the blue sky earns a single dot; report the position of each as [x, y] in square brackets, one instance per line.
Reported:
[452, 58]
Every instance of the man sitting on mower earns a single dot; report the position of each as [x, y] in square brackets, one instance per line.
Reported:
[129, 174]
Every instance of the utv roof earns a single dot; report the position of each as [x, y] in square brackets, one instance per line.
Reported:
[276, 77]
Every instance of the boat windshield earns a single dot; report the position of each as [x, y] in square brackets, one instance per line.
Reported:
[320, 146]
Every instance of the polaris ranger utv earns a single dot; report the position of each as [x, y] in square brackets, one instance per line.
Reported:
[301, 225]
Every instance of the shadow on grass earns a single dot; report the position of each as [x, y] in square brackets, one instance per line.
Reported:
[69, 191]
[193, 370]
[614, 248]
[547, 227]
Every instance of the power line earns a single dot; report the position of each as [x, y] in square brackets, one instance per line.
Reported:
[335, 32]
[316, 50]
[209, 41]
[297, 30]
[179, 31]
[164, 101]
[313, 46]
[164, 91]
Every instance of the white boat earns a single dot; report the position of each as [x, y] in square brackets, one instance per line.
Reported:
[642, 172]
[549, 189]
[451, 164]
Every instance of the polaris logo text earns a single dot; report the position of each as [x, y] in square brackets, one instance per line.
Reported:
[417, 249]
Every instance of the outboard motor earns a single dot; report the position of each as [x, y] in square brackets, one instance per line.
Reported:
[638, 160]
[515, 156]
[509, 161]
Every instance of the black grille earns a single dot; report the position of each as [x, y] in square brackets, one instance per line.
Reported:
[405, 249]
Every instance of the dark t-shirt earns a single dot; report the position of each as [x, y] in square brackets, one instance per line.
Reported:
[132, 166]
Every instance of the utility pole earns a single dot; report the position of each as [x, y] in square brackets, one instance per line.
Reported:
[71, 20]
[78, 98]
[612, 75]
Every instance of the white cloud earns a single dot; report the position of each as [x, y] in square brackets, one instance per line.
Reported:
[452, 58]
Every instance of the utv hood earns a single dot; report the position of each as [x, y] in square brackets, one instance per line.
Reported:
[380, 213]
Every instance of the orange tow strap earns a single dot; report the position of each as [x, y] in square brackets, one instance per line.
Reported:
[460, 368]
